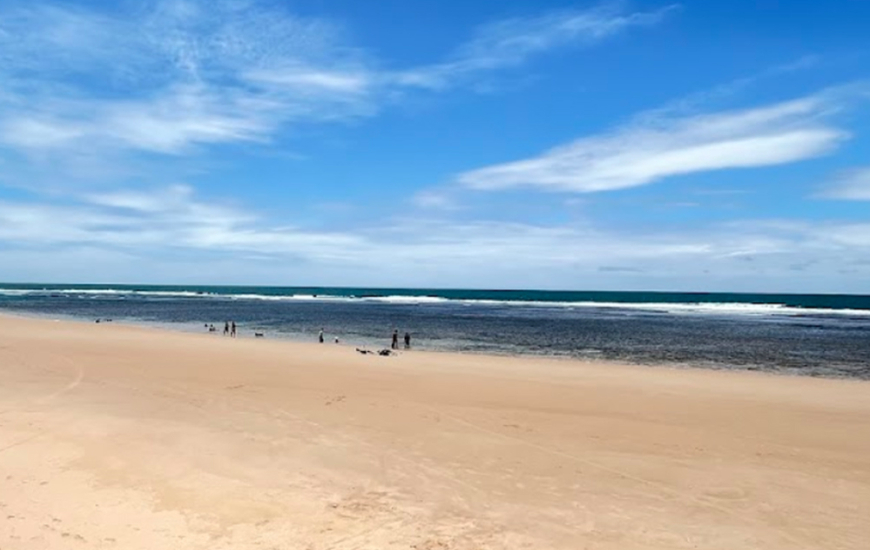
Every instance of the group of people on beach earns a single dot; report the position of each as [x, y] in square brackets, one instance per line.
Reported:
[320, 337]
[229, 328]
[394, 345]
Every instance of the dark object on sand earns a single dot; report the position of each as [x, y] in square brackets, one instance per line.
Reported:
[364, 351]
[385, 352]
[258, 335]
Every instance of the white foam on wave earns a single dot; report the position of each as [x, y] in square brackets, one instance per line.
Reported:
[399, 299]
[102, 292]
[743, 308]
[14, 292]
[684, 308]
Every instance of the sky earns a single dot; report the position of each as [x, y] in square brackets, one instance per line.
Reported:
[646, 145]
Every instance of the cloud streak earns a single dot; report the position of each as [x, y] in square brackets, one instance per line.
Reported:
[660, 146]
[851, 185]
[162, 219]
[163, 223]
[180, 75]
[511, 42]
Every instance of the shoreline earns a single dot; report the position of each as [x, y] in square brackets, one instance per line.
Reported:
[190, 328]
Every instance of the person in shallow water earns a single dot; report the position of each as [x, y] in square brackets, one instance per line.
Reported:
[226, 327]
[407, 340]
[233, 329]
[395, 344]
[320, 336]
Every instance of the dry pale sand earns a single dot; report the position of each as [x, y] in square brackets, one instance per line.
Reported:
[133, 438]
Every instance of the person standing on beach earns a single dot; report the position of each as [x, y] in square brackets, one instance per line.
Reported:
[320, 337]
[226, 327]
[395, 339]
[233, 330]
[407, 340]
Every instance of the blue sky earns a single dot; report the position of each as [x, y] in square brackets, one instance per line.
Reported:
[516, 144]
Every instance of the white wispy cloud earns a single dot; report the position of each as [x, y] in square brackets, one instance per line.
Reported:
[177, 75]
[173, 75]
[852, 185]
[659, 145]
[164, 218]
[171, 121]
[703, 99]
[436, 199]
[511, 42]
[157, 225]
[168, 200]
[311, 80]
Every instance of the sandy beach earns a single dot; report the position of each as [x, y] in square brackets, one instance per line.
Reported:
[125, 437]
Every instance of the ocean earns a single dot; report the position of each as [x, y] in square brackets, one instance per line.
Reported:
[814, 335]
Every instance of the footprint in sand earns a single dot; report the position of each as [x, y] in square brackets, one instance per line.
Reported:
[338, 399]
[431, 545]
[726, 493]
[363, 504]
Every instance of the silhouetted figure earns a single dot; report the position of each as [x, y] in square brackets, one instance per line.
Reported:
[320, 336]
[395, 339]
[226, 327]
[233, 330]
[407, 340]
